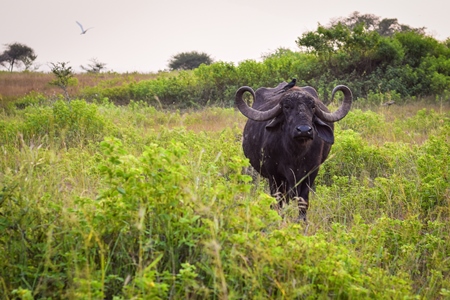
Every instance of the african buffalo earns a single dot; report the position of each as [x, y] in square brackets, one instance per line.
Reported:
[288, 135]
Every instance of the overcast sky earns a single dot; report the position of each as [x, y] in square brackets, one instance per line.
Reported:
[142, 35]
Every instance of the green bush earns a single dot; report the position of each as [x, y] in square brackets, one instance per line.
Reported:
[353, 157]
[64, 123]
[433, 170]
[367, 123]
[32, 99]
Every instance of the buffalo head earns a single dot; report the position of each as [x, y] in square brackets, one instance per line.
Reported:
[297, 94]
[298, 119]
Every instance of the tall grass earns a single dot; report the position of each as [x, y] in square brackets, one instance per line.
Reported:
[130, 202]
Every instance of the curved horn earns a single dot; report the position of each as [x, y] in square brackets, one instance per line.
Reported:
[252, 113]
[342, 110]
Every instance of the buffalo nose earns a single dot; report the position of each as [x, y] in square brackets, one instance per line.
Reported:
[304, 129]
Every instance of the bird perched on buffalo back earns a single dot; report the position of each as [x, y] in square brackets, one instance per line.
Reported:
[288, 86]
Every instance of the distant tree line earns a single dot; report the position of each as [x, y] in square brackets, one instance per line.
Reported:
[378, 55]
[373, 56]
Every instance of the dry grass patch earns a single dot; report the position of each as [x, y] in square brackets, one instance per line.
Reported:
[14, 85]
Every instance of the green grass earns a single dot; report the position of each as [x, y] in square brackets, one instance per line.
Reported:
[130, 202]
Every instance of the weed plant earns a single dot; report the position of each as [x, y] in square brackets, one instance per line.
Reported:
[131, 202]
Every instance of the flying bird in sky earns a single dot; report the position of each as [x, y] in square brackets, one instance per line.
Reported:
[83, 31]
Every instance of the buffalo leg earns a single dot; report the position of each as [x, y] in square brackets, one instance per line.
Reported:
[278, 191]
[300, 192]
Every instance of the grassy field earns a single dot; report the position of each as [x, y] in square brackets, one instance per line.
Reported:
[132, 202]
[14, 85]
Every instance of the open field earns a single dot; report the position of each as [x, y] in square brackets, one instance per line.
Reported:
[14, 85]
[101, 201]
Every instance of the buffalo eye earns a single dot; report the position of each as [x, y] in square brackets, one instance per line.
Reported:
[287, 106]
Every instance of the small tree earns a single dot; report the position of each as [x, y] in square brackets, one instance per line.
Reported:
[64, 77]
[95, 67]
[189, 60]
[17, 54]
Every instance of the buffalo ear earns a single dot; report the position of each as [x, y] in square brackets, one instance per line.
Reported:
[275, 122]
[324, 131]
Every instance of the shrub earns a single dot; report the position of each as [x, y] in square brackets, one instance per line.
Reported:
[32, 99]
[351, 156]
[63, 123]
[433, 170]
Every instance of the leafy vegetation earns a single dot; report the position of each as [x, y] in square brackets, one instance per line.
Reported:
[379, 59]
[189, 60]
[64, 77]
[407, 61]
[406, 64]
[100, 201]
[103, 201]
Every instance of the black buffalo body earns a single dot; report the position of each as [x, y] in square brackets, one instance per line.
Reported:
[288, 136]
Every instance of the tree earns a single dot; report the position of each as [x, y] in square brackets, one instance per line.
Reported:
[379, 56]
[358, 44]
[17, 54]
[189, 60]
[95, 67]
[64, 77]
[29, 64]
[385, 27]
[345, 50]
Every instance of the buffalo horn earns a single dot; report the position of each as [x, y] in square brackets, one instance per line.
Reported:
[342, 111]
[250, 112]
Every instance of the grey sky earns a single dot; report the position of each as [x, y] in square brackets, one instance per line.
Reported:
[142, 35]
